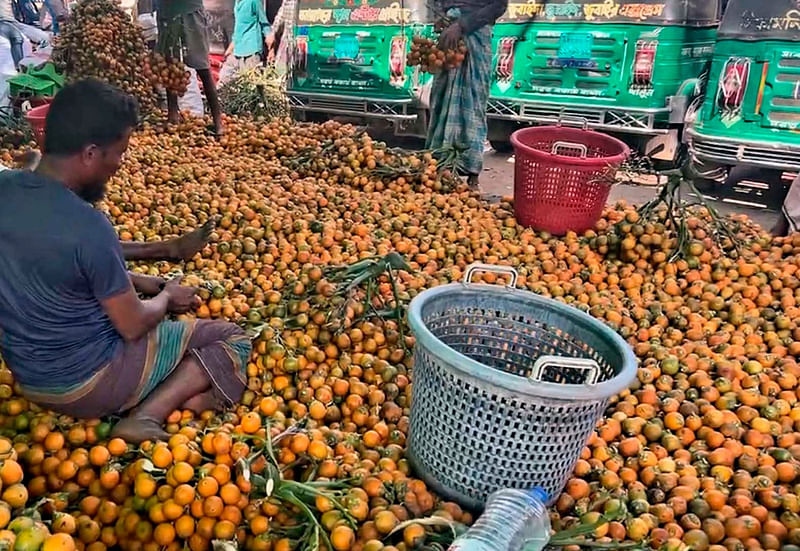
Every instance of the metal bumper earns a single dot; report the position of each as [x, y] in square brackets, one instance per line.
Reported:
[393, 110]
[731, 151]
[631, 121]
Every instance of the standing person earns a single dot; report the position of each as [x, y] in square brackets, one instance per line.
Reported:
[183, 34]
[281, 41]
[57, 13]
[26, 12]
[73, 331]
[15, 40]
[9, 20]
[459, 96]
[250, 31]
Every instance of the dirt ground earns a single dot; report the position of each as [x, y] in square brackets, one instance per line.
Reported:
[497, 181]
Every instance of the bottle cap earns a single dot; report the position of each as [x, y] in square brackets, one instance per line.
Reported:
[539, 494]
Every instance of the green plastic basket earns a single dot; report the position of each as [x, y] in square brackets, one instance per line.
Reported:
[25, 85]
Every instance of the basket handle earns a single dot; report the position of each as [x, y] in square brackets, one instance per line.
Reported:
[570, 145]
[588, 366]
[478, 267]
[583, 121]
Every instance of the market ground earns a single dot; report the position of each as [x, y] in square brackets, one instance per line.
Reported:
[497, 181]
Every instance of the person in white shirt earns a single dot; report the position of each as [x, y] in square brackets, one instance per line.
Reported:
[37, 36]
[15, 40]
[10, 32]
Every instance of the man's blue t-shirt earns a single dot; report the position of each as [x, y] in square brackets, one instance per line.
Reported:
[59, 257]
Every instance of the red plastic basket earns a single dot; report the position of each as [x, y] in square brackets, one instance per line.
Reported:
[562, 176]
[36, 118]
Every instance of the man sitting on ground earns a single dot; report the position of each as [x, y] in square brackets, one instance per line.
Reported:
[72, 327]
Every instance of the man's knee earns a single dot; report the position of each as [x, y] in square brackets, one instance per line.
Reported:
[222, 330]
[235, 330]
[11, 34]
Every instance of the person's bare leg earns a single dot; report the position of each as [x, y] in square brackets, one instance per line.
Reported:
[781, 227]
[173, 114]
[473, 182]
[213, 99]
[202, 402]
[145, 421]
[181, 248]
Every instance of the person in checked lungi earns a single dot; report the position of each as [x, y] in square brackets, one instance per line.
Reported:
[459, 96]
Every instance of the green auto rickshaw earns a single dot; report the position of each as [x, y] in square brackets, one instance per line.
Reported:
[751, 112]
[350, 61]
[625, 67]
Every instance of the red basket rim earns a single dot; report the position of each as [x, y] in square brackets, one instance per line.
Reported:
[611, 159]
[38, 113]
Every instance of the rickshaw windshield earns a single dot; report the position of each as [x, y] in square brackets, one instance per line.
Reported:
[762, 20]
[363, 12]
[700, 13]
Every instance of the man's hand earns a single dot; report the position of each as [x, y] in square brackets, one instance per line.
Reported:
[181, 299]
[147, 285]
[449, 38]
[269, 41]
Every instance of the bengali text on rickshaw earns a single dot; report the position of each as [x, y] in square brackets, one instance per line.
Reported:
[596, 11]
[393, 13]
[788, 22]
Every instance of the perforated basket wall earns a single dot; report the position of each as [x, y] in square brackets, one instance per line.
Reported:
[563, 192]
[477, 423]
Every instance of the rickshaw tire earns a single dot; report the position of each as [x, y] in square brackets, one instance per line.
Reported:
[501, 146]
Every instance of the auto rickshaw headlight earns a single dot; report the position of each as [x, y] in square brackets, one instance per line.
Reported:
[644, 63]
[733, 83]
[504, 66]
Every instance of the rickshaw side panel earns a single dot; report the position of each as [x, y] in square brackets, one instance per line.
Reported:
[751, 112]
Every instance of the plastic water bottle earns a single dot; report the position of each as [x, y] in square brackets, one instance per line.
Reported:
[513, 520]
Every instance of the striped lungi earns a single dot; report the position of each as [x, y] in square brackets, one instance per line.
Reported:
[458, 101]
[221, 348]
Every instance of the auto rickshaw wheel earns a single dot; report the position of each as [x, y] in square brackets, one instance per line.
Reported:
[501, 146]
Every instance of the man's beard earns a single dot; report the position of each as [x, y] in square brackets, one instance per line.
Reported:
[93, 193]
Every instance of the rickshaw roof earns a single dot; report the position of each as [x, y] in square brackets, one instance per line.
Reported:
[658, 12]
[762, 20]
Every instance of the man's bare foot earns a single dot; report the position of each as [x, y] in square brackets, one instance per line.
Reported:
[174, 117]
[206, 401]
[473, 182]
[186, 246]
[781, 227]
[136, 430]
